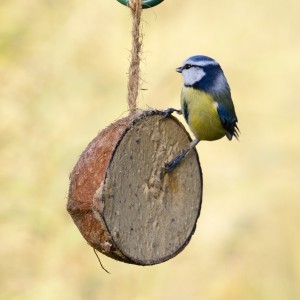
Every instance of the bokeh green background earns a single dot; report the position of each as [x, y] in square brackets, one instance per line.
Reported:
[63, 68]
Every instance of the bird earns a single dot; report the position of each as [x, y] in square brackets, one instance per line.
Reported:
[206, 103]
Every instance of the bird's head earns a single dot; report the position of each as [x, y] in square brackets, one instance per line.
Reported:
[203, 72]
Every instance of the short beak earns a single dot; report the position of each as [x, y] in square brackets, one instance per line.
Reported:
[179, 69]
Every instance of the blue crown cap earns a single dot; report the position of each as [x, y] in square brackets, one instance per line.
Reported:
[200, 58]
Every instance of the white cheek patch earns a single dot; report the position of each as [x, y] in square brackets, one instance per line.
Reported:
[192, 75]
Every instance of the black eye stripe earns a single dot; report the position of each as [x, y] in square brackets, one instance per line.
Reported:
[188, 66]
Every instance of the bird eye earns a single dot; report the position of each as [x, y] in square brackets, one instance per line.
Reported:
[188, 66]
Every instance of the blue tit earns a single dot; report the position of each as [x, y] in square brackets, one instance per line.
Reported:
[206, 103]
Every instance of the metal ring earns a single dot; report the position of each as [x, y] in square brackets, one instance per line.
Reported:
[145, 3]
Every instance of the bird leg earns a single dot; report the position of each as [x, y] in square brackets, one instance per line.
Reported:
[175, 161]
[167, 112]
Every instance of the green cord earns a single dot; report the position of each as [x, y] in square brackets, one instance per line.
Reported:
[145, 3]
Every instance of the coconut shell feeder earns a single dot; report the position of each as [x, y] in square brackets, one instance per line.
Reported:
[122, 199]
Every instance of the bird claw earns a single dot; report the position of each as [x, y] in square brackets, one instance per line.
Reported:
[174, 162]
[168, 112]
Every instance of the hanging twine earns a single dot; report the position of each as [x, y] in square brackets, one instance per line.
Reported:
[134, 68]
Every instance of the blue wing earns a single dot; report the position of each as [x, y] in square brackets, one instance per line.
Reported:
[229, 121]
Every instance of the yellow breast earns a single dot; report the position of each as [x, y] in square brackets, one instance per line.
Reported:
[202, 115]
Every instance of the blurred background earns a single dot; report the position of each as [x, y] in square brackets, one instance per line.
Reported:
[63, 77]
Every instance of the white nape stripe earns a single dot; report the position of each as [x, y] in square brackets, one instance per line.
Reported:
[220, 83]
[201, 63]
